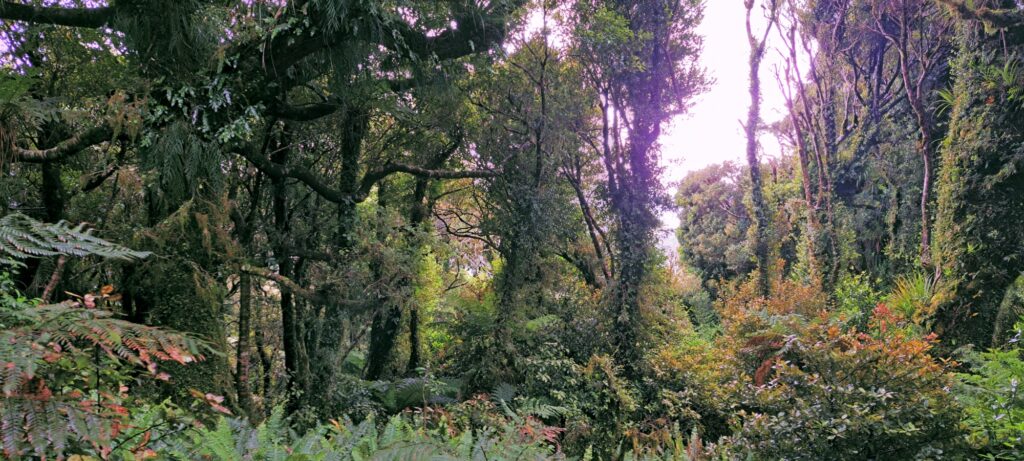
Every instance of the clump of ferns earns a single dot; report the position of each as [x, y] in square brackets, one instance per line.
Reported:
[65, 368]
[66, 372]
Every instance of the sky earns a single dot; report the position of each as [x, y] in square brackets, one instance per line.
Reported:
[712, 131]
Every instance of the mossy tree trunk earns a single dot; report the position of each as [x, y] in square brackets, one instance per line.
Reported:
[979, 240]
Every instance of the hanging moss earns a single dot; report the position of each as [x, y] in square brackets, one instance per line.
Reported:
[180, 289]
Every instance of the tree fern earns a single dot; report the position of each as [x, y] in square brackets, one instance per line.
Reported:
[64, 364]
[50, 398]
[22, 237]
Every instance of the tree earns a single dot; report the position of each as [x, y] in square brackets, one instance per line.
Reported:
[714, 223]
[640, 57]
[919, 32]
[757, 49]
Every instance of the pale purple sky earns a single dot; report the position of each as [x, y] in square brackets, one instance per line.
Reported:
[712, 132]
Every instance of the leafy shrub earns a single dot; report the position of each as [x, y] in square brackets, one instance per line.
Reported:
[695, 387]
[994, 402]
[822, 393]
[855, 298]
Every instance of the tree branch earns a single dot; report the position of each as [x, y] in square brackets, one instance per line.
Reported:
[373, 177]
[1002, 19]
[305, 112]
[73, 17]
[278, 171]
[65, 148]
[317, 296]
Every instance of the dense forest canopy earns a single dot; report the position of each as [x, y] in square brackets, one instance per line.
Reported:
[408, 229]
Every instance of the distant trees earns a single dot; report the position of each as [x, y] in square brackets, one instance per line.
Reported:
[714, 222]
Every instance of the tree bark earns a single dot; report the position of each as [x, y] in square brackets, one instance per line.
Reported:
[243, 363]
[295, 359]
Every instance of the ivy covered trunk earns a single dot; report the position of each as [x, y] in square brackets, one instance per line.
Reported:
[979, 240]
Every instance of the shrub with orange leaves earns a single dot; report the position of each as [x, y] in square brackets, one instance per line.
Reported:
[744, 313]
[825, 390]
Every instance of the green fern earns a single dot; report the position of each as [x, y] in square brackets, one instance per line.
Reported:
[400, 438]
[49, 401]
[22, 237]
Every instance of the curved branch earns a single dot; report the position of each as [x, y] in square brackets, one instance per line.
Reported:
[73, 17]
[305, 112]
[68, 147]
[278, 171]
[319, 296]
[373, 177]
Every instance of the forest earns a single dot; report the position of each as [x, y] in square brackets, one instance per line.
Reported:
[435, 230]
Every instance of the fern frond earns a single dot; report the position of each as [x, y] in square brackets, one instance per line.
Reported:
[43, 418]
[22, 237]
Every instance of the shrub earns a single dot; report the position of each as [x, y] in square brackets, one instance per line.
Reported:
[993, 400]
[822, 393]
[694, 386]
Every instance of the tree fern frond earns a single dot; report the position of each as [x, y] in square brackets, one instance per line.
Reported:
[22, 237]
[41, 417]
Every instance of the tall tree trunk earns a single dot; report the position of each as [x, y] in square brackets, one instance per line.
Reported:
[386, 324]
[244, 347]
[760, 213]
[266, 360]
[924, 149]
[387, 317]
[415, 346]
[243, 227]
[637, 223]
[418, 212]
[634, 244]
[295, 361]
[329, 338]
[52, 191]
